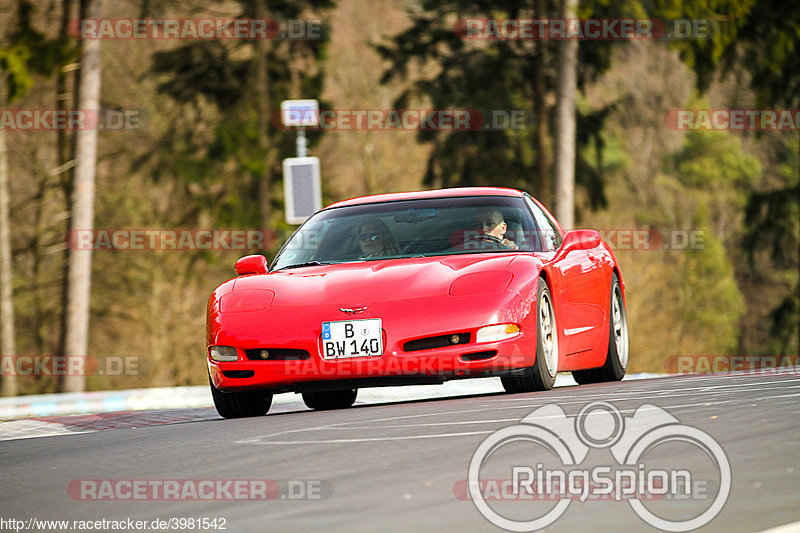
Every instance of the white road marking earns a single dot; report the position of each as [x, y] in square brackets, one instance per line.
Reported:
[367, 439]
[728, 391]
[26, 429]
[786, 528]
[690, 394]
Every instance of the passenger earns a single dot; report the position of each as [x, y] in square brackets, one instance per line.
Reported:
[375, 239]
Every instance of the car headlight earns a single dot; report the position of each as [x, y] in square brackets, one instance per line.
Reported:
[223, 353]
[498, 332]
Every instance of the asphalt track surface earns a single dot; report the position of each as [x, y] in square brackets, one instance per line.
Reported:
[398, 466]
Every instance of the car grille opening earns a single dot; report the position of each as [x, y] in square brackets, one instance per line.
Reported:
[479, 356]
[277, 354]
[439, 341]
[238, 374]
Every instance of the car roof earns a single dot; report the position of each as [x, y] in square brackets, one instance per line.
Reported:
[436, 193]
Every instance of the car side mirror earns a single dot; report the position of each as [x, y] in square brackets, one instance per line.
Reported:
[251, 264]
[579, 239]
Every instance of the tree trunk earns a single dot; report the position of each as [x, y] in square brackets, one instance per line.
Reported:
[65, 151]
[82, 216]
[8, 383]
[565, 123]
[264, 105]
[61, 174]
[544, 185]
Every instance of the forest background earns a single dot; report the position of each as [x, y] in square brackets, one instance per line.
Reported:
[721, 207]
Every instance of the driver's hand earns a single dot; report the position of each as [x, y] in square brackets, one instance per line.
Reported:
[489, 237]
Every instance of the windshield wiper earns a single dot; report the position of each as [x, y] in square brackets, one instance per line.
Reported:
[298, 265]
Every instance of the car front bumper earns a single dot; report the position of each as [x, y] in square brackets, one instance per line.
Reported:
[394, 367]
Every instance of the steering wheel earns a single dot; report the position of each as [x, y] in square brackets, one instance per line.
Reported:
[488, 237]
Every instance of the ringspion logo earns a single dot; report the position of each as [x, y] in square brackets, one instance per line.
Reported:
[657, 491]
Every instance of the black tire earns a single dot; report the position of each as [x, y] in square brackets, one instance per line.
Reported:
[327, 400]
[618, 346]
[542, 375]
[241, 404]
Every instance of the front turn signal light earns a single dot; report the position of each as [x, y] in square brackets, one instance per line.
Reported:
[498, 332]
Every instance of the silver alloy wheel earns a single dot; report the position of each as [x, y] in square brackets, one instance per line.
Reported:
[547, 331]
[620, 325]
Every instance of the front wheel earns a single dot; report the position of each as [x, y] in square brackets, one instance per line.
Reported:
[327, 400]
[617, 359]
[240, 404]
[542, 375]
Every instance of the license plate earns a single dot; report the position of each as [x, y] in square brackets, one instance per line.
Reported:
[352, 338]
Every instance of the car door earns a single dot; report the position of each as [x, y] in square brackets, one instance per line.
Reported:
[578, 287]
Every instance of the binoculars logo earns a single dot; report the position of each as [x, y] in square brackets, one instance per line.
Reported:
[569, 440]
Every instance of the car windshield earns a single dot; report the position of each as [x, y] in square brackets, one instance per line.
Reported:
[412, 228]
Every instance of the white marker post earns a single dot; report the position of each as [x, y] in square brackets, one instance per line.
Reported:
[301, 175]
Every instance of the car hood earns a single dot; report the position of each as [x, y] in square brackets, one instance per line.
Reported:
[383, 280]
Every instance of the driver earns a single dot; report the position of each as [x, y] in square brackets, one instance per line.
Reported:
[375, 239]
[490, 223]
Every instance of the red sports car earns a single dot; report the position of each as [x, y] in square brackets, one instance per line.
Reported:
[416, 288]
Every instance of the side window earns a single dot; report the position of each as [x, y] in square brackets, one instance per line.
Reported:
[548, 237]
